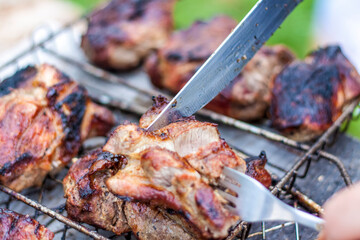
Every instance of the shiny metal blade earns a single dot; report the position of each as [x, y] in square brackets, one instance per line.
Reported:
[227, 61]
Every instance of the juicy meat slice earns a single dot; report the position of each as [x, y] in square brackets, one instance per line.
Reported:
[44, 117]
[122, 33]
[173, 183]
[315, 91]
[16, 226]
[249, 94]
[90, 201]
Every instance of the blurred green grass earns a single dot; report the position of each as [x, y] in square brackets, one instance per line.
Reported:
[295, 32]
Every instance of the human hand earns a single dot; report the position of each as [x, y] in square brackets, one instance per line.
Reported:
[342, 215]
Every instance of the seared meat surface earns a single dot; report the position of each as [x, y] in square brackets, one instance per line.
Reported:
[90, 201]
[249, 94]
[44, 117]
[315, 92]
[14, 226]
[163, 180]
[121, 34]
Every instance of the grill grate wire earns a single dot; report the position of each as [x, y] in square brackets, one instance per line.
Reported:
[284, 187]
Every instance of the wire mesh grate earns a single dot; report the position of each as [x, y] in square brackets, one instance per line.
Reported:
[284, 187]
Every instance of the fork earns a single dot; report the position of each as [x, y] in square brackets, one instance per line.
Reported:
[255, 203]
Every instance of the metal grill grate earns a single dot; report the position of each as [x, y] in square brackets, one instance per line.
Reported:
[283, 187]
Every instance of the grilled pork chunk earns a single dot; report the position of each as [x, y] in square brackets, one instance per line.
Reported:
[44, 117]
[90, 201]
[121, 34]
[163, 179]
[315, 92]
[17, 226]
[249, 94]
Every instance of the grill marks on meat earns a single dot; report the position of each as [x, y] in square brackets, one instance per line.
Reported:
[17, 226]
[249, 94]
[44, 116]
[316, 90]
[121, 34]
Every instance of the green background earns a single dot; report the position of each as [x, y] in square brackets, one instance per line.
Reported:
[295, 32]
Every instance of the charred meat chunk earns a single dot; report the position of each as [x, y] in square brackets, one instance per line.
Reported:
[122, 33]
[309, 96]
[44, 118]
[17, 226]
[248, 95]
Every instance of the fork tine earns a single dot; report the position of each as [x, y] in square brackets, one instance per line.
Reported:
[255, 203]
[229, 185]
[230, 173]
[232, 209]
[227, 196]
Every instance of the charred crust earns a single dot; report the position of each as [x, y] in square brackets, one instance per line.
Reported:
[329, 53]
[13, 223]
[309, 94]
[255, 168]
[17, 80]
[139, 9]
[71, 110]
[159, 102]
[316, 91]
[84, 179]
[85, 189]
[173, 56]
[12, 167]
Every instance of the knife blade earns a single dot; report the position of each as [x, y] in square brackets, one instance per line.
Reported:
[227, 61]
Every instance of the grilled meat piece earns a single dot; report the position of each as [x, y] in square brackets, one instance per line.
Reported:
[172, 168]
[159, 183]
[44, 117]
[249, 94]
[90, 201]
[315, 92]
[121, 34]
[17, 226]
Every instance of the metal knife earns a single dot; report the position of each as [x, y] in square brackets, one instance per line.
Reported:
[227, 61]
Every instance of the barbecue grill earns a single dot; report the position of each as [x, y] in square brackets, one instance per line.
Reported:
[293, 165]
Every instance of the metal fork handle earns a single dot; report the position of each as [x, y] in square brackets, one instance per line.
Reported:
[308, 220]
[292, 214]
